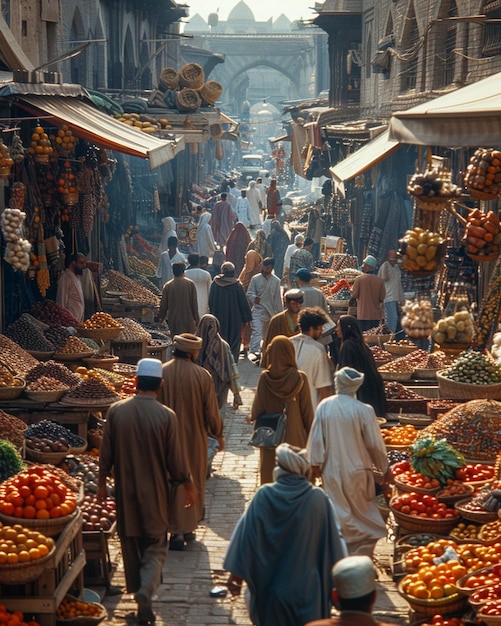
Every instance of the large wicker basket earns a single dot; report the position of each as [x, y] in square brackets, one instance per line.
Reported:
[48, 527]
[211, 91]
[400, 350]
[54, 458]
[188, 100]
[11, 393]
[466, 391]
[442, 606]
[192, 76]
[100, 333]
[21, 573]
[169, 79]
[411, 489]
[475, 516]
[414, 524]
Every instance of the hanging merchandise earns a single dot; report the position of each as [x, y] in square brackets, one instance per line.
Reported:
[483, 174]
[17, 248]
[40, 147]
[6, 162]
[18, 196]
[417, 320]
[17, 149]
[64, 141]
[422, 251]
[43, 277]
[66, 185]
[432, 189]
[482, 235]
[487, 321]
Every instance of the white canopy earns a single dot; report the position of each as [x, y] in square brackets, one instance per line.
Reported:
[470, 116]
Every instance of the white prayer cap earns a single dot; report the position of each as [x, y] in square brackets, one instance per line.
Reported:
[347, 380]
[149, 367]
[354, 577]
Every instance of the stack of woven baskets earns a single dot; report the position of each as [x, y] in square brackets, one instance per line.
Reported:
[186, 89]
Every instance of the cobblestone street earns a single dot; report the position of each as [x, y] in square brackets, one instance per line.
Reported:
[183, 597]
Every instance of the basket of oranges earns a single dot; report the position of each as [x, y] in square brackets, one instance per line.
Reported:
[23, 554]
[75, 611]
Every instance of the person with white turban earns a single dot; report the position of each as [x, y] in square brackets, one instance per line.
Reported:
[284, 546]
[344, 444]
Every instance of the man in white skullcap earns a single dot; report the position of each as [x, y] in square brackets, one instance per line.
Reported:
[142, 446]
[284, 546]
[189, 390]
[354, 593]
[344, 444]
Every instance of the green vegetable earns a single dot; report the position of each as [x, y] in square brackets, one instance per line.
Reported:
[10, 460]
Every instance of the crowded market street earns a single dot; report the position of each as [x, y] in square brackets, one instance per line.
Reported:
[183, 598]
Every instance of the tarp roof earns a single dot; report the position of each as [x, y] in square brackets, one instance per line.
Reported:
[470, 116]
[91, 124]
[361, 160]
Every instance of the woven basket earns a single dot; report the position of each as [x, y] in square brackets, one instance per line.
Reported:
[11, 393]
[41, 356]
[46, 457]
[48, 527]
[438, 203]
[410, 489]
[416, 524]
[474, 516]
[400, 350]
[442, 606]
[415, 419]
[451, 500]
[188, 99]
[483, 258]
[169, 79]
[105, 364]
[100, 333]
[211, 91]
[192, 76]
[21, 573]
[489, 620]
[72, 356]
[426, 373]
[84, 620]
[466, 391]
[399, 376]
[82, 447]
[45, 396]
[469, 590]
[482, 195]
[378, 339]
[403, 542]
[41, 158]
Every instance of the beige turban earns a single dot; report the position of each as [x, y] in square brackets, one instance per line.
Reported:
[227, 268]
[187, 342]
[347, 381]
[290, 460]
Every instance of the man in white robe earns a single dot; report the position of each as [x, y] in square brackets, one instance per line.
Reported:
[344, 444]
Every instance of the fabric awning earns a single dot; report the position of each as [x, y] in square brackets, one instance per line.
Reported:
[90, 124]
[363, 159]
[470, 116]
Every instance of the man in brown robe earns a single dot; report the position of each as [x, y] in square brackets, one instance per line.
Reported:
[284, 323]
[179, 303]
[142, 445]
[189, 390]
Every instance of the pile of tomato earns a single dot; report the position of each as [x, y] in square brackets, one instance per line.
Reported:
[441, 620]
[422, 505]
[475, 472]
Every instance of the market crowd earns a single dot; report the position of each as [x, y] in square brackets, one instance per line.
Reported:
[242, 295]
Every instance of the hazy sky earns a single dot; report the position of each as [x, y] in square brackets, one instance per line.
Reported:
[262, 9]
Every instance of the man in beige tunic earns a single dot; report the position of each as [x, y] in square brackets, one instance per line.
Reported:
[179, 303]
[189, 390]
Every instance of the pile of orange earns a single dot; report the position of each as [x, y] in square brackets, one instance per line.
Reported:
[424, 555]
[22, 545]
[36, 493]
[433, 582]
[399, 435]
[75, 608]
[15, 618]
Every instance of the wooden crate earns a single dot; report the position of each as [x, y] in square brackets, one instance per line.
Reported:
[97, 554]
[64, 572]
[130, 351]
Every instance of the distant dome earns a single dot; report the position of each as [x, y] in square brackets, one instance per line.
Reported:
[197, 23]
[241, 12]
[282, 23]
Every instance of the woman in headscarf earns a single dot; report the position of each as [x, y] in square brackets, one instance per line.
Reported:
[206, 244]
[344, 443]
[355, 353]
[236, 246]
[281, 383]
[169, 230]
[255, 205]
[259, 244]
[215, 356]
[253, 264]
[279, 242]
[284, 547]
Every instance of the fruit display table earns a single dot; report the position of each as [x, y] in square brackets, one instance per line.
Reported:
[64, 572]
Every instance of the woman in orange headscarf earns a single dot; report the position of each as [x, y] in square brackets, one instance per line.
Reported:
[281, 383]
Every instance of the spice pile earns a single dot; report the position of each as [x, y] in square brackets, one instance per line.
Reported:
[396, 391]
[12, 428]
[73, 345]
[132, 331]
[100, 320]
[46, 383]
[93, 391]
[26, 332]
[52, 313]
[53, 369]
[8, 380]
[405, 364]
[116, 281]
[14, 357]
